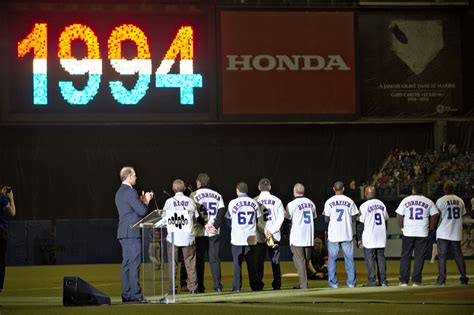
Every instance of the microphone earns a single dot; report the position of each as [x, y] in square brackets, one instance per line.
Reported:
[154, 199]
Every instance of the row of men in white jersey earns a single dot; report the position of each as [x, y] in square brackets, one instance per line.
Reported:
[255, 220]
[416, 215]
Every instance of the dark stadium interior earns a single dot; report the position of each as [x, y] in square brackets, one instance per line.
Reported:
[66, 167]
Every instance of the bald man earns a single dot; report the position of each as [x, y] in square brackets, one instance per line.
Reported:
[373, 233]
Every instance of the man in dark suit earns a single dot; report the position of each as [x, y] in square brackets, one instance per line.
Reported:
[131, 209]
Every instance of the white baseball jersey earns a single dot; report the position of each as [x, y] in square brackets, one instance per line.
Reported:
[416, 210]
[212, 201]
[452, 209]
[273, 215]
[340, 209]
[180, 215]
[373, 214]
[243, 211]
[302, 212]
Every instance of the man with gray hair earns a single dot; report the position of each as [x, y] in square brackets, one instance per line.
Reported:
[131, 209]
[302, 213]
[340, 211]
[181, 213]
[268, 228]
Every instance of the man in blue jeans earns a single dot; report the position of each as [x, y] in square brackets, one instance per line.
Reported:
[340, 211]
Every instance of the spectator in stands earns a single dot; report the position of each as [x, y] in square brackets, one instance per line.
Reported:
[401, 170]
[460, 169]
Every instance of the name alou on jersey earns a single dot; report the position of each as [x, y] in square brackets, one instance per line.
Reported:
[453, 202]
[180, 203]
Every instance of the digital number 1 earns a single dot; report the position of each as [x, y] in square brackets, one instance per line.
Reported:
[38, 41]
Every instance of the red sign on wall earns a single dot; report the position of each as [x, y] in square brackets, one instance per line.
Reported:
[287, 63]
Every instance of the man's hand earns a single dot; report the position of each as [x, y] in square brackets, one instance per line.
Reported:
[359, 244]
[210, 228]
[10, 195]
[146, 197]
[268, 234]
[12, 208]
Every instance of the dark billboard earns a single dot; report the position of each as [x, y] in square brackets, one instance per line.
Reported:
[410, 65]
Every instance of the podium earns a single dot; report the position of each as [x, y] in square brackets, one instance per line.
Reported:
[157, 277]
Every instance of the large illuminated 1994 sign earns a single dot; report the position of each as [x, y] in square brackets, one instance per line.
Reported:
[182, 45]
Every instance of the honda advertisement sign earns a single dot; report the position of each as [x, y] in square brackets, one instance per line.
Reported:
[287, 63]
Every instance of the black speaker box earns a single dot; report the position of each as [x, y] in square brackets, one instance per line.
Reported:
[78, 292]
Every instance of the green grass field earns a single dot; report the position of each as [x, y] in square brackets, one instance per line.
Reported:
[38, 290]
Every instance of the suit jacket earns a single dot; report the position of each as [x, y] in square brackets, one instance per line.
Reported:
[130, 210]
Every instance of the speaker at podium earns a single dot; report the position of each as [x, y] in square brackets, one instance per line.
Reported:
[78, 292]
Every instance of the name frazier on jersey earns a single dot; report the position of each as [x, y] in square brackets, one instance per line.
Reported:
[244, 203]
[340, 203]
[305, 206]
[207, 195]
[375, 207]
[416, 203]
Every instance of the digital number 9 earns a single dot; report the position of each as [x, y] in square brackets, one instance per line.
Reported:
[141, 64]
[91, 64]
